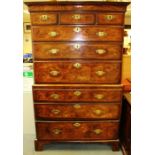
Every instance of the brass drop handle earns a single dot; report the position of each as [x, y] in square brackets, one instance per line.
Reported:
[101, 34]
[100, 51]
[55, 111]
[77, 46]
[53, 51]
[76, 16]
[77, 106]
[99, 96]
[97, 131]
[53, 34]
[54, 96]
[77, 65]
[109, 17]
[77, 93]
[76, 125]
[54, 73]
[44, 17]
[100, 73]
[77, 29]
[98, 112]
[57, 131]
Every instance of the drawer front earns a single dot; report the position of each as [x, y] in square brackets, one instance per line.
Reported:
[77, 72]
[77, 94]
[77, 33]
[110, 18]
[43, 18]
[77, 111]
[77, 18]
[77, 130]
[45, 51]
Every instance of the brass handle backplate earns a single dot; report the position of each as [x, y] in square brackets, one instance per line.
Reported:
[54, 73]
[77, 106]
[76, 16]
[77, 29]
[76, 125]
[53, 34]
[57, 131]
[55, 111]
[101, 34]
[44, 17]
[77, 65]
[54, 96]
[53, 51]
[77, 93]
[100, 73]
[109, 17]
[99, 96]
[100, 51]
[98, 112]
[97, 131]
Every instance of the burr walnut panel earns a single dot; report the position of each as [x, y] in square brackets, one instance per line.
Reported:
[77, 111]
[43, 18]
[77, 50]
[76, 94]
[77, 72]
[77, 18]
[77, 33]
[77, 130]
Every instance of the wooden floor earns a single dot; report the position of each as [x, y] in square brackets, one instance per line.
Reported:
[67, 149]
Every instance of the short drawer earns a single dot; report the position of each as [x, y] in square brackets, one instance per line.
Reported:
[77, 33]
[77, 111]
[43, 18]
[77, 130]
[107, 72]
[66, 93]
[57, 50]
[110, 18]
[77, 18]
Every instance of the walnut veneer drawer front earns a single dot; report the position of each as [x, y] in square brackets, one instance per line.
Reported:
[76, 94]
[110, 18]
[77, 33]
[43, 18]
[77, 130]
[77, 111]
[77, 72]
[57, 50]
[77, 18]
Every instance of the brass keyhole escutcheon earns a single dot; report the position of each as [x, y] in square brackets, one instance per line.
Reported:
[53, 34]
[55, 111]
[77, 29]
[54, 73]
[57, 131]
[77, 65]
[100, 73]
[44, 17]
[99, 96]
[77, 106]
[109, 17]
[77, 46]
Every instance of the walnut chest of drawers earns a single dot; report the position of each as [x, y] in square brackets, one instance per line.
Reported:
[77, 53]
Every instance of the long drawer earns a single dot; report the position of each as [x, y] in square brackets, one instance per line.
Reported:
[77, 111]
[77, 130]
[71, 93]
[107, 72]
[77, 33]
[76, 50]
